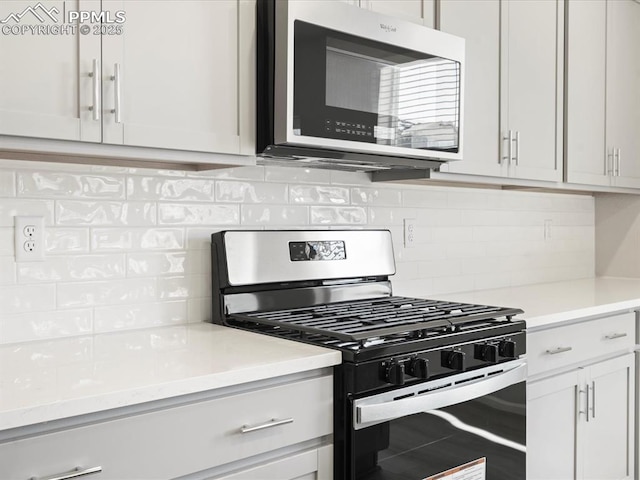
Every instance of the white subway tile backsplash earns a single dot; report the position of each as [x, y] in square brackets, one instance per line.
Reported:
[124, 317]
[297, 175]
[152, 264]
[198, 214]
[52, 184]
[199, 309]
[274, 215]
[72, 268]
[338, 216]
[7, 184]
[376, 196]
[184, 286]
[154, 188]
[27, 298]
[11, 207]
[420, 197]
[7, 270]
[128, 248]
[120, 239]
[26, 327]
[105, 213]
[7, 241]
[247, 192]
[319, 194]
[66, 240]
[112, 292]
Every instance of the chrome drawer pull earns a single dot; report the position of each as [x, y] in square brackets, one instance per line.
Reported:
[272, 423]
[555, 351]
[75, 473]
[613, 336]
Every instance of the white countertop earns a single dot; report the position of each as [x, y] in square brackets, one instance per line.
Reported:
[560, 302]
[44, 381]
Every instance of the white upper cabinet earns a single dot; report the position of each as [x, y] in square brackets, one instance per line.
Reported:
[513, 86]
[586, 82]
[175, 75]
[532, 87]
[478, 22]
[178, 82]
[623, 91]
[603, 99]
[46, 82]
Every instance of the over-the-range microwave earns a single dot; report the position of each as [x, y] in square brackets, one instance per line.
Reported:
[348, 88]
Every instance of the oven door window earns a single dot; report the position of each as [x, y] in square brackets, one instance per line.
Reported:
[350, 88]
[490, 431]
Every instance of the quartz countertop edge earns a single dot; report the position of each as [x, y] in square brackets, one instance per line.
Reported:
[84, 375]
[554, 304]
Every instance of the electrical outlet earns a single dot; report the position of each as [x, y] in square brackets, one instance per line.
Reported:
[409, 232]
[547, 229]
[29, 239]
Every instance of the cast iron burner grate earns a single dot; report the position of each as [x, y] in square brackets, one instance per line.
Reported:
[363, 320]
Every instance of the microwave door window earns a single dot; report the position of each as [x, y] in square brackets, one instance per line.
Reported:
[351, 88]
[417, 105]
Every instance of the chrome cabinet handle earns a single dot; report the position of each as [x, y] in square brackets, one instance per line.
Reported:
[608, 164]
[116, 77]
[272, 423]
[509, 139]
[555, 351]
[588, 407]
[95, 76]
[613, 336]
[617, 170]
[580, 392]
[75, 473]
[593, 399]
[517, 140]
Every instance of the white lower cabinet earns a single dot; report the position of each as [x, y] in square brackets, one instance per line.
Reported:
[315, 464]
[580, 412]
[278, 432]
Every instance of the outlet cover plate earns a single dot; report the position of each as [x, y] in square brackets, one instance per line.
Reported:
[29, 238]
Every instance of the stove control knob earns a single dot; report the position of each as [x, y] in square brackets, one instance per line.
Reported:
[486, 352]
[507, 348]
[419, 368]
[394, 373]
[453, 359]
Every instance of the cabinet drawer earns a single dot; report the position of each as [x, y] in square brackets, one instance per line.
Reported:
[562, 346]
[180, 440]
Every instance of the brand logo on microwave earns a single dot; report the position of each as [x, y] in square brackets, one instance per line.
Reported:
[387, 28]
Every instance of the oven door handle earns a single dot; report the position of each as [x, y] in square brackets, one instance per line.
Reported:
[390, 410]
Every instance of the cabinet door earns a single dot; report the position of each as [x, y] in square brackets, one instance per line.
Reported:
[552, 410]
[184, 70]
[478, 22]
[586, 154]
[607, 448]
[531, 89]
[417, 11]
[309, 465]
[623, 94]
[45, 87]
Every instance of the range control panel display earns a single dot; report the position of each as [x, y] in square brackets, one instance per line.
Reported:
[320, 250]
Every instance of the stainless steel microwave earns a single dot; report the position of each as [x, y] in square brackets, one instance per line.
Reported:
[344, 87]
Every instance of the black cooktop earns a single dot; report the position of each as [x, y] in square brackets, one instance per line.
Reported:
[382, 326]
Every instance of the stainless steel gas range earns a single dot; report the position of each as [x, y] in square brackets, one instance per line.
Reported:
[426, 389]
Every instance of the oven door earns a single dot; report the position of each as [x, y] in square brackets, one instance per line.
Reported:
[360, 81]
[470, 425]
